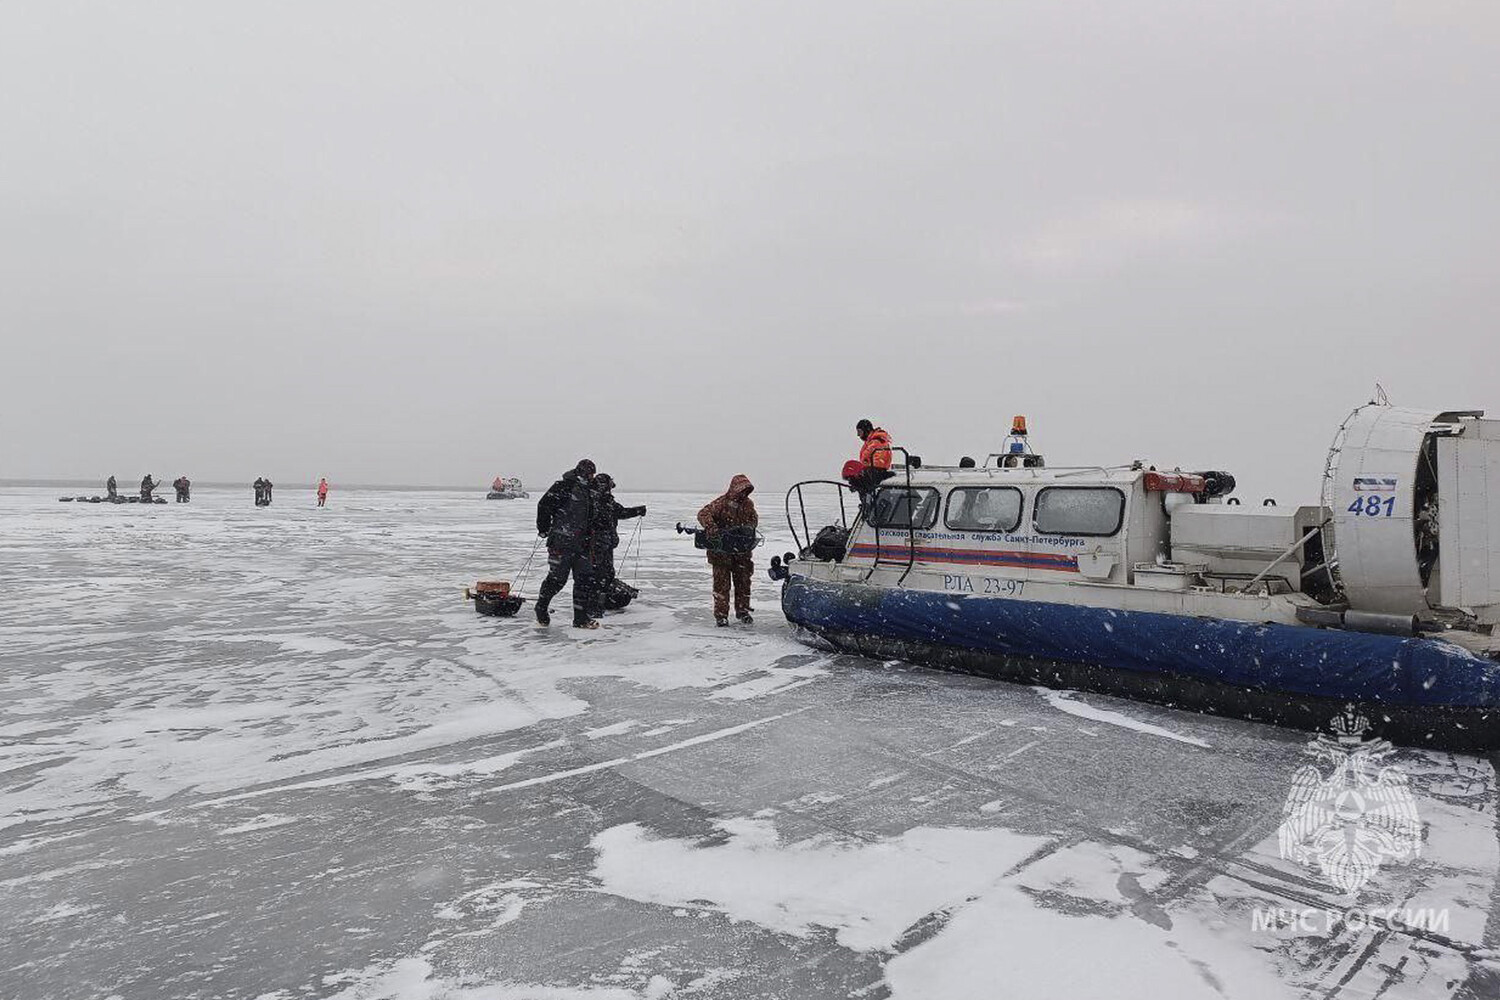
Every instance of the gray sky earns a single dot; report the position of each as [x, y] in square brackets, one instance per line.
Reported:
[427, 243]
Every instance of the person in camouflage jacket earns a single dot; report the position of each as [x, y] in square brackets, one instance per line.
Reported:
[732, 570]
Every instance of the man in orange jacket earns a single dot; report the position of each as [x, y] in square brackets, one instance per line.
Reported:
[875, 452]
[730, 521]
[874, 465]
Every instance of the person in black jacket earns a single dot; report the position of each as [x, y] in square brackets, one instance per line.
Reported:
[608, 513]
[147, 485]
[111, 488]
[565, 517]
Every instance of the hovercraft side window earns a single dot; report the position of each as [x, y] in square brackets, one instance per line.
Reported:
[897, 507]
[983, 508]
[1079, 510]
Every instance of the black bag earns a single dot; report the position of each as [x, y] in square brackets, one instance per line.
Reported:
[732, 541]
[738, 540]
[498, 606]
[830, 544]
[618, 595]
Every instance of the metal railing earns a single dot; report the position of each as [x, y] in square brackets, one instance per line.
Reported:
[911, 531]
[802, 509]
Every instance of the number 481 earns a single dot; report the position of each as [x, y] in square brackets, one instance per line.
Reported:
[1373, 506]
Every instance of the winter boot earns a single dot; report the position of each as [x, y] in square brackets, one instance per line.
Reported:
[721, 620]
[586, 623]
[745, 617]
[544, 595]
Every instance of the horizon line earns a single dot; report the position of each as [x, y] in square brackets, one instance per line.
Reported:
[413, 487]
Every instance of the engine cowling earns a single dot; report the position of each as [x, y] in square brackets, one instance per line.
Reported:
[1402, 489]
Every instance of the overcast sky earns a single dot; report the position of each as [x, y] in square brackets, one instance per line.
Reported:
[427, 243]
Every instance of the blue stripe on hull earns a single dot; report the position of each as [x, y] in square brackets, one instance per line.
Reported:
[1296, 660]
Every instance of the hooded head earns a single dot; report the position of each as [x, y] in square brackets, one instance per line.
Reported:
[585, 469]
[740, 487]
[604, 481]
[863, 428]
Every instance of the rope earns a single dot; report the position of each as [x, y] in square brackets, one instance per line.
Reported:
[526, 569]
[635, 539]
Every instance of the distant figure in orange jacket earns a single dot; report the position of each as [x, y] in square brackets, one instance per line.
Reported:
[730, 521]
[322, 491]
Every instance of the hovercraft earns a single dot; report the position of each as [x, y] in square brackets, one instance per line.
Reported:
[1162, 586]
[506, 489]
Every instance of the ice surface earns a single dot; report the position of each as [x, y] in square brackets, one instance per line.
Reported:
[273, 753]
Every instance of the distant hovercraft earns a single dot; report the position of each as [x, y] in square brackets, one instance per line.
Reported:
[506, 489]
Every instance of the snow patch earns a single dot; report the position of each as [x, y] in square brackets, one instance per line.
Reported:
[265, 821]
[63, 911]
[1004, 937]
[615, 729]
[868, 893]
[413, 979]
[1067, 702]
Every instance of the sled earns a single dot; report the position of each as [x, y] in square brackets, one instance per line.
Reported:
[494, 599]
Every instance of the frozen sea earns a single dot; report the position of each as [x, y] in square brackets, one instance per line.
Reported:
[272, 753]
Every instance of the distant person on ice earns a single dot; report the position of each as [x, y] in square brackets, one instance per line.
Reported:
[111, 488]
[266, 489]
[608, 513]
[184, 489]
[322, 491]
[565, 517]
[260, 491]
[729, 520]
[147, 485]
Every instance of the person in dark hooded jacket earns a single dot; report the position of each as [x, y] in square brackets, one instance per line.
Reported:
[147, 485]
[111, 488]
[565, 517]
[608, 513]
[732, 514]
